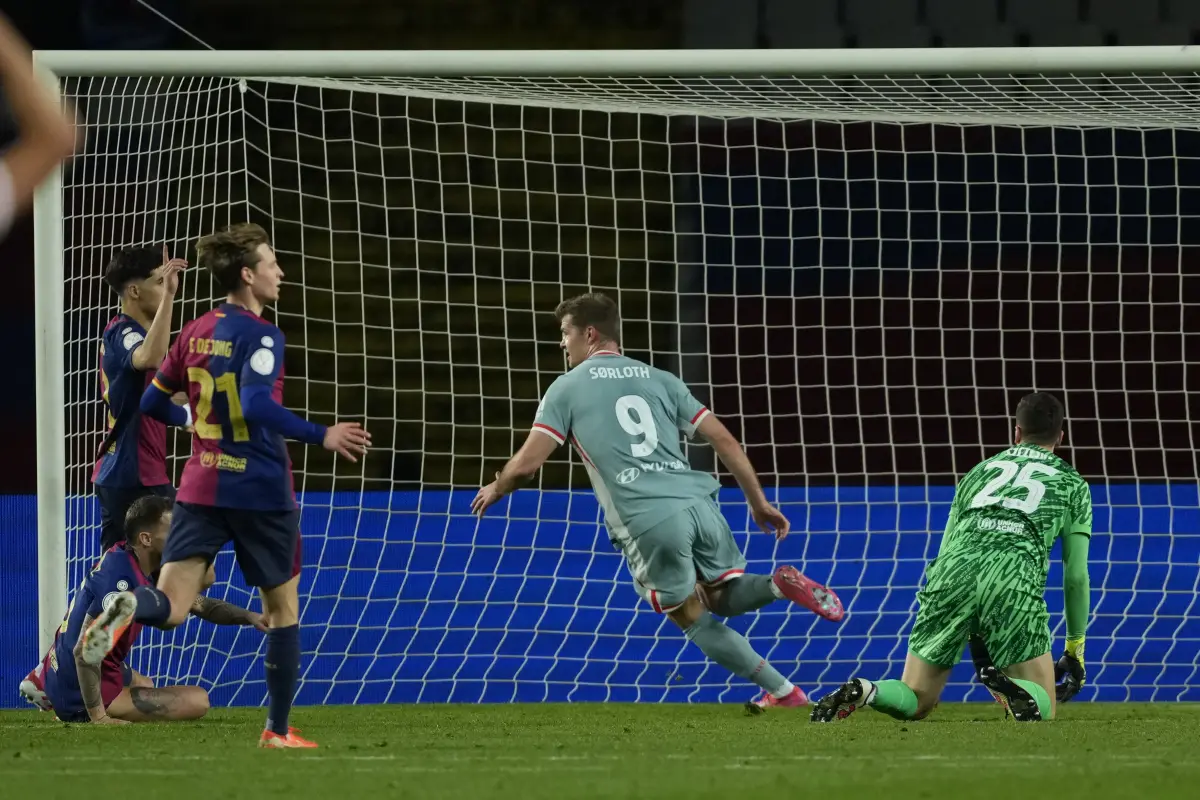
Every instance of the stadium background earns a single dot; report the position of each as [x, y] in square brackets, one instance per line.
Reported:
[909, 342]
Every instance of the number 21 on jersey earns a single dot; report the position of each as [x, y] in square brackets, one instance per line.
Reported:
[225, 384]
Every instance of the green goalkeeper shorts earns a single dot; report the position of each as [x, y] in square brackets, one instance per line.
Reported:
[1000, 595]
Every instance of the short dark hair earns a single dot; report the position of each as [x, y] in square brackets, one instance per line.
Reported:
[132, 264]
[225, 252]
[594, 309]
[145, 513]
[1040, 417]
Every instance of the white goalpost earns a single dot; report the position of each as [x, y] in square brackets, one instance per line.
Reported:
[861, 259]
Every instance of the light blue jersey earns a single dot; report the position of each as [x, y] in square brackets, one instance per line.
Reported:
[624, 418]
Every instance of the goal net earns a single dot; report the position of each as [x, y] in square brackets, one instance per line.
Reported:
[860, 275]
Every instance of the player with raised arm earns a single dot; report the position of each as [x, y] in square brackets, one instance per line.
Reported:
[624, 418]
[133, 457]
[110, 691]
[988, 583]
[237, 485]
[46, 135]
[132, 461]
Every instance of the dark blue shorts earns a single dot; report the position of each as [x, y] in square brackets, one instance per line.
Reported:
[266, 543]
[68, 700]
[114, 505]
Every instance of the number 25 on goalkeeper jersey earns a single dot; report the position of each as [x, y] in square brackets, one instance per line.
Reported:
[1021, 499]
[624, 418]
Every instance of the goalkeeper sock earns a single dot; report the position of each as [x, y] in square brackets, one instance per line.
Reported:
[283, 667]
[895, 699]
[747, 593]
[732, 651]
[153, 606]
[1039, 695]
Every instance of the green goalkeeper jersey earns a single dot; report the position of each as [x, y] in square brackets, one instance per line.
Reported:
[1019, 500]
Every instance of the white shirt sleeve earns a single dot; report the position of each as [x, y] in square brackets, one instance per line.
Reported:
[6, 199]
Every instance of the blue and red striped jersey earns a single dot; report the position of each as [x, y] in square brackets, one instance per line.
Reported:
[137, 455]
[234, 463]
[117, 571]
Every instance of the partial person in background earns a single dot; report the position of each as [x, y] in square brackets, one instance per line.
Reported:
[45, 135]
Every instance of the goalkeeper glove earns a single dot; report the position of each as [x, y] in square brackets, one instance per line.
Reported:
[1069, 672]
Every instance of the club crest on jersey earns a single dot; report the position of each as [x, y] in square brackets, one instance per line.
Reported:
[122, 585]
[267, 341]
[628, 475]
[263, 361]
[108, 600]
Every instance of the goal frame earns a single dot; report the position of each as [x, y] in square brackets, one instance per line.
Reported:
[50, 311]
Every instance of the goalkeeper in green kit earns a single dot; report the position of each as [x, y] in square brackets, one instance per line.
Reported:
[988, 584]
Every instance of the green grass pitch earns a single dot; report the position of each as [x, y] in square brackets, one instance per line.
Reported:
[626, 751]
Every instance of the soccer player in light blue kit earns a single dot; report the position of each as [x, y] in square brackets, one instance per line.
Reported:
[624, 418]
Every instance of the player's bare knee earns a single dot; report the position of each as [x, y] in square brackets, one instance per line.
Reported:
[198, 702]
[925, 706]
[193, 702]
[685, 615]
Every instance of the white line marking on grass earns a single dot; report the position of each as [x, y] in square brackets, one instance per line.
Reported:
[443, 762]
[89, 771]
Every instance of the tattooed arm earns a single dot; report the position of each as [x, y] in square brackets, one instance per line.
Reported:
[218, 612]
[89, 682]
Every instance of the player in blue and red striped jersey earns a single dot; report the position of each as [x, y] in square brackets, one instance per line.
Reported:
[133, 458]
[110, 691]
[132, 461]
[237, 485]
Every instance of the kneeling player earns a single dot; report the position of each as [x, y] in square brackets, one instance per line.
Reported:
[988, 583]
[110, 691]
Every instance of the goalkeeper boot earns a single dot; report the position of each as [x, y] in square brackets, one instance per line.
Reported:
[845, 701]
[107, 628]
[794, 699]
[33, 690]
[1003, 701]
[271, 740]
[982, 660]
[1016, 701]
[806, 592]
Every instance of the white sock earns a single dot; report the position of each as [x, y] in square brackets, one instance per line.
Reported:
[868, 691]
[783, 691]
[776, 591]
